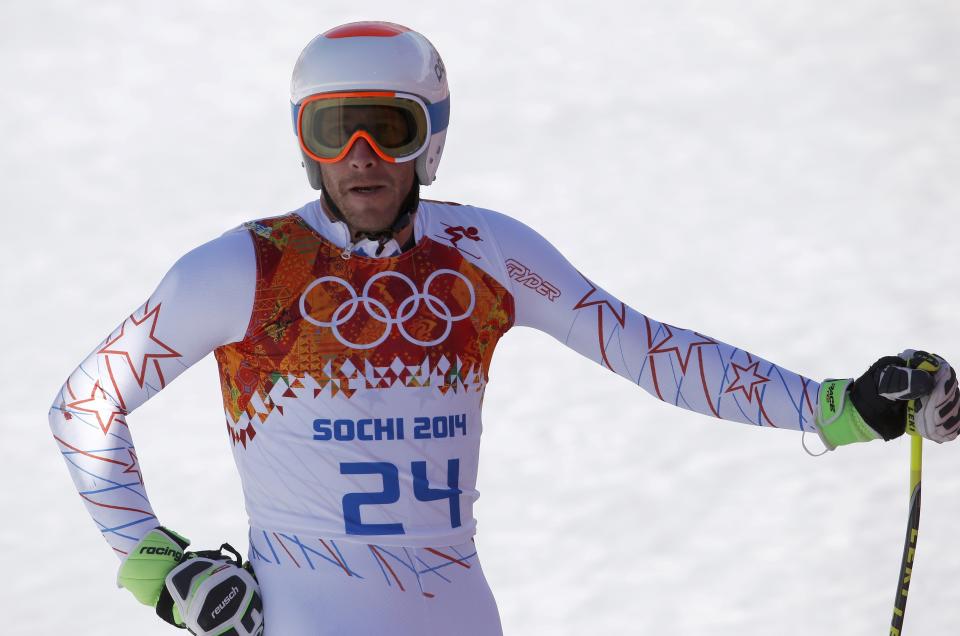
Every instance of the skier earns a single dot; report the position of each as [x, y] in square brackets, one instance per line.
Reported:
[353, 338]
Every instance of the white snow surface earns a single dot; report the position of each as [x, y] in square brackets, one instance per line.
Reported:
[779, 175]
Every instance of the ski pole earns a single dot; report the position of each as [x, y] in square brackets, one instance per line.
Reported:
[913, 525]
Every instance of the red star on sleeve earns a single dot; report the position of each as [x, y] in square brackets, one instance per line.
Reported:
[617, 308]
[746, 380]
[138, 343]
[105, 409]
[682, 358]
[134, 465]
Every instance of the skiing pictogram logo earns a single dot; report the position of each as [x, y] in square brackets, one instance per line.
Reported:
[456, 233]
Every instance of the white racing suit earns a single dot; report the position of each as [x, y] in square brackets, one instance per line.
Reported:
[352, 390]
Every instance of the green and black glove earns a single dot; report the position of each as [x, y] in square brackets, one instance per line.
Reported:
[205, 592]
[880, 402]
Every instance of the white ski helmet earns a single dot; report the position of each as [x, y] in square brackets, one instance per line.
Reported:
[375, 56]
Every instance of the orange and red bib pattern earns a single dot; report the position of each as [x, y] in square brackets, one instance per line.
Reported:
[424, 319]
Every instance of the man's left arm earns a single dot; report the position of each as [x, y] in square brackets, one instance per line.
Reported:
[689, 368]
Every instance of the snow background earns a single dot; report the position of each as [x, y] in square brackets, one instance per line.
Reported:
[781, 176]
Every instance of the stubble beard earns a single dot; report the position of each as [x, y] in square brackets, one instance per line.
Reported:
[373, 221]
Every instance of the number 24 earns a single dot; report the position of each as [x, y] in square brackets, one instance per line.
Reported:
[391, 493]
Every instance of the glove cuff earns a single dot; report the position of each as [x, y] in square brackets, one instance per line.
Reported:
[151, 559]
[838, 421]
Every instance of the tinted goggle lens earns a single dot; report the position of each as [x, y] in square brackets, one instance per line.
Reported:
[397, 126]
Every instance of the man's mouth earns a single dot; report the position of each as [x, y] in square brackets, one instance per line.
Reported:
[366, 189]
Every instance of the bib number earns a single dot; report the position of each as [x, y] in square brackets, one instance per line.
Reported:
[390, 493]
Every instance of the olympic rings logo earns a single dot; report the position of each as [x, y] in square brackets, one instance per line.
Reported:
[377, 310]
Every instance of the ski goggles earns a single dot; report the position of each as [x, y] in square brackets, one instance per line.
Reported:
[397, 126]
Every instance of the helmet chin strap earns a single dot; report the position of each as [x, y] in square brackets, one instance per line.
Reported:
[408, 207]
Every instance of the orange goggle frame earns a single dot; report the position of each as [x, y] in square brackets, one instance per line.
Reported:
[397, 126]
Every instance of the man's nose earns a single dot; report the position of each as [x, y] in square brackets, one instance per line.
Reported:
[362, 155]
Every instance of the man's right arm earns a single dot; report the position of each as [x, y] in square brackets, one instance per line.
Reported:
[204, 301]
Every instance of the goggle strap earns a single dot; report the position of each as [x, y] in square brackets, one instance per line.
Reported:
[439, 115]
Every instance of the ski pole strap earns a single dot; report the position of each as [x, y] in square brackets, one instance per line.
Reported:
[838, 421]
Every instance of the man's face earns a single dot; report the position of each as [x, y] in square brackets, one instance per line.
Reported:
[367, 189]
